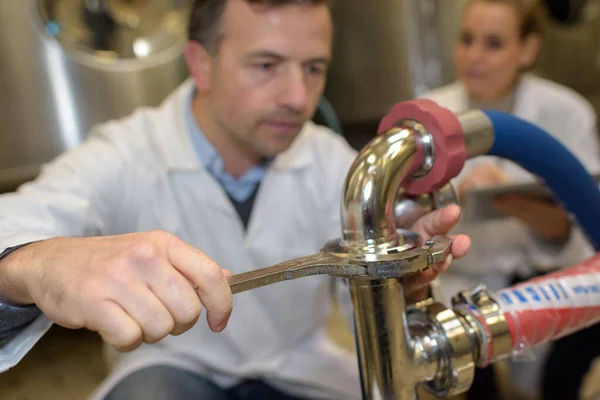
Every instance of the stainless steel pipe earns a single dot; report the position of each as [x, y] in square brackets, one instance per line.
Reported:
[387, 355]
[371, 187]
[385, 348]
[478, 131]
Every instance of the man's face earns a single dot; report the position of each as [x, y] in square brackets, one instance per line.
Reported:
[269, 72]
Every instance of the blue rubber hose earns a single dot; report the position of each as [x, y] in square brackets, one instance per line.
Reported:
[541, 154]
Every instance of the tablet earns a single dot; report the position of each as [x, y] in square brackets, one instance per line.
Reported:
[478, 204]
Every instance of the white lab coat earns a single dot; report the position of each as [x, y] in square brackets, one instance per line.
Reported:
[503, 247]
[140, 173]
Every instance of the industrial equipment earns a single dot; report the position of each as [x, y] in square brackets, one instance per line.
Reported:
[71, 64]
[398, 176]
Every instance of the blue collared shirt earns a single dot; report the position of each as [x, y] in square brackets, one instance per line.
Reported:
[239, 189]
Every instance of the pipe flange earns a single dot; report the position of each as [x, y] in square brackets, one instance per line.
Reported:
[456, 367]
[393, 262]
[448, 141]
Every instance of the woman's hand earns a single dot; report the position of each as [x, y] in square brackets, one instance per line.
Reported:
[439, 222]
[484, 175]
[547, 219]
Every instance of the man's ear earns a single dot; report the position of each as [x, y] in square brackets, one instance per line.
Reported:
[532, 45]
[198, 60]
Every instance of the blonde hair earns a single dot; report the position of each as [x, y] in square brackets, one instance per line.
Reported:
[532, 14]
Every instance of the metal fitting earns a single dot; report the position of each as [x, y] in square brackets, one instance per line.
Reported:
[487, 321]
[453, 339]
[478, 131]
[425, 140]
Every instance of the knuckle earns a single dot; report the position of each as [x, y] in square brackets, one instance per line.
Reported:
[159, 330]
[144, 254]
[76, 320]
[190, 313]
[182, 328]
[144, 251]
[213, 273]
[128, 339]
[121, 337]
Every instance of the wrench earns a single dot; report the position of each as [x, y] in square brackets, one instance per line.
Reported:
[332, 262]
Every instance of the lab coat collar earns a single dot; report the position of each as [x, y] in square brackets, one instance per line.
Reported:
[526, 105]
[177, 148]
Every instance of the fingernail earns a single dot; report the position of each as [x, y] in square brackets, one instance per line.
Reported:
[221, 327]
[446, 264]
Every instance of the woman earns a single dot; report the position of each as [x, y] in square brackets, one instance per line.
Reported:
[499, 41]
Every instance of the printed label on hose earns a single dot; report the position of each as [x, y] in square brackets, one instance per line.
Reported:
[552, 306]
[581, 290]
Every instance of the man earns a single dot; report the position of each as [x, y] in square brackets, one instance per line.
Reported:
[229, 164]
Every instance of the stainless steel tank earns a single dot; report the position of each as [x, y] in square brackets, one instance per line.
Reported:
[392, 50]
[388, 51]
[67, 65]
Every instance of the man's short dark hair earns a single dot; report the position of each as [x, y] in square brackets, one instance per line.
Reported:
[205, 18]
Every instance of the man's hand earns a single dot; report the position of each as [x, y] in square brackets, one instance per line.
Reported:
[547, 219]
[439, 222]
[130, 288]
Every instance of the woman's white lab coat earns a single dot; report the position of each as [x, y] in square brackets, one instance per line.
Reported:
[502, 247]
[140, 174]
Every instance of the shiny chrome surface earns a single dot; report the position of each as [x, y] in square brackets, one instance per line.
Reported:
[371, 186]
[108, 30]
[445, 196]
[425, 141]
[53, 95]
[488, 322]
[426, 345]
[392, 363]
[455, 343]
[409, 209]
[478, 131]
[385, 351]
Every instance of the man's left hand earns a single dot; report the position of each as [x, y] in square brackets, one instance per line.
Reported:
[438, 222]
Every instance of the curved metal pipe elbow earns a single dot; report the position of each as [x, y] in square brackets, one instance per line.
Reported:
[409, 209]
[371, 186]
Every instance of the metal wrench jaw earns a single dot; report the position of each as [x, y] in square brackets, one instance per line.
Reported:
[337, 260]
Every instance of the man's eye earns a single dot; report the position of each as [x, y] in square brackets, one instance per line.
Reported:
[266, 66]
[316, 69]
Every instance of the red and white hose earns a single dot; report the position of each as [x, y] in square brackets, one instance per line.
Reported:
[549, 307]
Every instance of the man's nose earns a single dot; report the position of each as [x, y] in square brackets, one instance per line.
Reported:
[294, 94]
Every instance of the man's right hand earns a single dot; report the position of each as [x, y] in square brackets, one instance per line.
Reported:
[129, 288]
